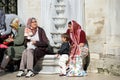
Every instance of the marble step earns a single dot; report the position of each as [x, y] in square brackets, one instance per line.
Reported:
[50, 70]
[50, 65]
[50, 60]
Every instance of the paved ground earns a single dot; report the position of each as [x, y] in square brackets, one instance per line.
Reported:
[91, 76]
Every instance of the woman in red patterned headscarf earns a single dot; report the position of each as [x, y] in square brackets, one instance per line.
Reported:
[77, 40]
[77, 36]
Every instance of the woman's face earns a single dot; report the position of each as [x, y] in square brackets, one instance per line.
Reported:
[70, 27]
[34, 24]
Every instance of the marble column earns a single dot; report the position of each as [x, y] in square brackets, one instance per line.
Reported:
[29, 8]
[112, 27]
[76, 11]
[46, 17]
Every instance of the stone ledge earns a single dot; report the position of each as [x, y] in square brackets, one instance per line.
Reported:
[94, 56]
[49, 57]
[49, 64]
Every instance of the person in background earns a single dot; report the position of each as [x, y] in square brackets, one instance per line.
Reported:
[13, 52]
[6, 29]
[63, 53]
[14, 25]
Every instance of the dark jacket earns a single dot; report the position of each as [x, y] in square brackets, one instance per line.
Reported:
[41, 45]
[65, 48]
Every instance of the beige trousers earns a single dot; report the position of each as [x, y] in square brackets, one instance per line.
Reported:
[27, 59]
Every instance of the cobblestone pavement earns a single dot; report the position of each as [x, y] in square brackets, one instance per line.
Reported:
[91, 76]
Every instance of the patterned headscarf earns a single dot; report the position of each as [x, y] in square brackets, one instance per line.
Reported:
[28, 30]
[75, 37]
[76, 29]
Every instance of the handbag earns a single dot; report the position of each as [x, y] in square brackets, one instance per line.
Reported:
[84, 51]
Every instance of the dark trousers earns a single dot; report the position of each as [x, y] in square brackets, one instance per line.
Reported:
[86, 62]
[1, 54]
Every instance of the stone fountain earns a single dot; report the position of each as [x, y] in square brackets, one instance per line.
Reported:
[59, 21]
[50, 62]
[57, 12]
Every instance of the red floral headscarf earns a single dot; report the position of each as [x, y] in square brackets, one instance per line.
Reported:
[76, 29]
[75, 38]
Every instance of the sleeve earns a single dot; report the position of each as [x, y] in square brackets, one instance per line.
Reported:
[68, 32]
[19, 39]
[62, 49]
[8, 31]
[43, 39]
[82, 37]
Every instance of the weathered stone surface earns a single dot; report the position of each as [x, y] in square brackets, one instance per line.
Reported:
[49, 65]
[102, 22]
[29, 8]
[102, 28]
[91, 76]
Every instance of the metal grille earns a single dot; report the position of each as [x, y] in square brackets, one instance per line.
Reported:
[9, 6]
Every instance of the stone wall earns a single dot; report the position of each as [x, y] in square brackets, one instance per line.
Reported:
[102, 28]
[29, 8]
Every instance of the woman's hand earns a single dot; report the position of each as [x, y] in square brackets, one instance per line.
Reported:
[57, 55]
[73, 45]
[33, 42]
[81, 44]
[10, 38]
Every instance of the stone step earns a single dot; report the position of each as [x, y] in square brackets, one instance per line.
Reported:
[50, 69]
[50, 65]
[50, 60]
[49, 57]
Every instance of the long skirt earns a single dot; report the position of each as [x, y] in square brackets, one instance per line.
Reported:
[76, 67]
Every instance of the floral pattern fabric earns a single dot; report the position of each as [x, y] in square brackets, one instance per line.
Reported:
[75, 68]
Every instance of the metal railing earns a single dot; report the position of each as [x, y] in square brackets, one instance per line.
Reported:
[9, 6]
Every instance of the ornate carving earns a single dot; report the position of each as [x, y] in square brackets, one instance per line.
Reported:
[9, 6]
[59, 22]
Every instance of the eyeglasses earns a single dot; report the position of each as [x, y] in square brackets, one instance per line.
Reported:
[34, 22]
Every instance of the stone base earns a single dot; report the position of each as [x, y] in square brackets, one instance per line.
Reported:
[49, 65]
[106, 64]
[50, 70]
